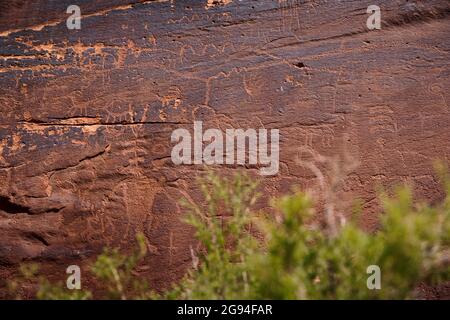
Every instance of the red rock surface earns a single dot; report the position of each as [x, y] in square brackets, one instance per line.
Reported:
[86, 115]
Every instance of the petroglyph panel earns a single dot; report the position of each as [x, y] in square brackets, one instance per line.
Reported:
[86, 115]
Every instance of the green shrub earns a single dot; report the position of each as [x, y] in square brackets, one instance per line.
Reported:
[305, 262]
[246, 255]
[302, 259]
[113, 271]
[222, 227]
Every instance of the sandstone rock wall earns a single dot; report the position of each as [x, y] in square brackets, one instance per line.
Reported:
[86, 115]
